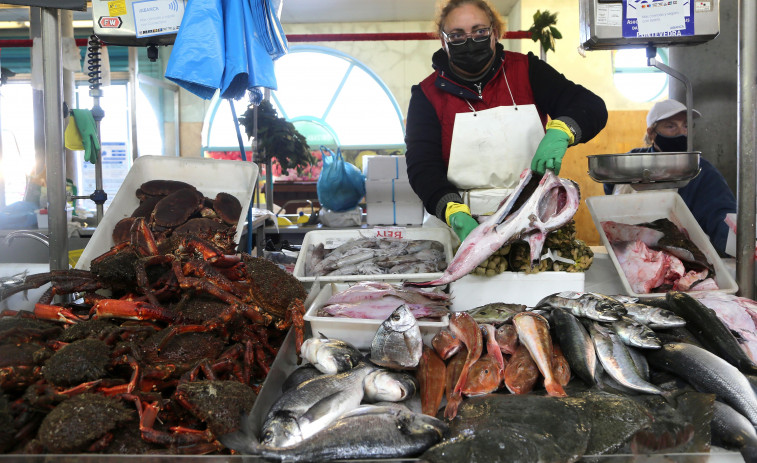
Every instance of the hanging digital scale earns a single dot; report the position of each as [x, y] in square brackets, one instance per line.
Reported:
[137, 23]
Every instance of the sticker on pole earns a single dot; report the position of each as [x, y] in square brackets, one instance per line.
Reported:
[157, 17]
[109, 22]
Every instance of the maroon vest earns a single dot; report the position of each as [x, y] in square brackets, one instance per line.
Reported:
[494, 94]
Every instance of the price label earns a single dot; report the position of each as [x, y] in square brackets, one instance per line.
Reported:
[396, 233]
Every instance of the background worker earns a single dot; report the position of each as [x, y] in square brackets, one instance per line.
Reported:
[479, 119]
[707, 195]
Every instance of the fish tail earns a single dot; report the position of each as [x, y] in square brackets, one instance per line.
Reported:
[450, 411]
[554, 389]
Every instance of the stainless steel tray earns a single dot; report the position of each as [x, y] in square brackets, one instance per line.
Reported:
[672, 169]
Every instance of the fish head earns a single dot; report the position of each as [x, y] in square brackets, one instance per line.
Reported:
[280, 430]
[606, 312]
[485, 376]
[418, 424]
[646, 338]
[666, 318]
[390, 386]
[402, 319]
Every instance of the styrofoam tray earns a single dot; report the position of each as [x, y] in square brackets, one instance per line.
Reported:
[649, 206]
[358, 332]
[472, 291]
[209, 176]
[337, 237]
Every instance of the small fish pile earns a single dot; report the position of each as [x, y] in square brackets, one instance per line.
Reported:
[376, 256]
[659, 257]
[376, 300]
[596, 330]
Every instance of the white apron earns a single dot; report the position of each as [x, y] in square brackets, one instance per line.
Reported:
[489, 150]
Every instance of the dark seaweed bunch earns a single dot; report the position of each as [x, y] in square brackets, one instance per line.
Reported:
[277, 138]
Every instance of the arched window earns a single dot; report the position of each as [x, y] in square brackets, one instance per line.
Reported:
[634, 78]
[331, 98]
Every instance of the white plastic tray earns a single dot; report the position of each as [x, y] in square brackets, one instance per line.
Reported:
[472, 291]
[209, 176]
[649, 206]
[336, 237]
[358, 332]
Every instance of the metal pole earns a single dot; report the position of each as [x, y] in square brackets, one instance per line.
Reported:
[747, 133]
[652, 61]
[133, 84]
[54, 155]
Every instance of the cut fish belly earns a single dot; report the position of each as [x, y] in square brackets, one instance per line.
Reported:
[616, 231]
[644, 268]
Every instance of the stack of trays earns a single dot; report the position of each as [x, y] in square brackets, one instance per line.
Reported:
[388, 196]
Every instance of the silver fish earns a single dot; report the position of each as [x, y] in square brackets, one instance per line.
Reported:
[398, 343]
[708, 373]
[366, 433]
[588, 305]
[390, 386]
[640, 360]
[312, 406]
[330, 356]
[576, 345]
[731, 430]
[299, 376]
[633, 333]
[653, 317]
[617, 362]
[553, 203]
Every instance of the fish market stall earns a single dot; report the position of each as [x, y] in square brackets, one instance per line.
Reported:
[377, 365]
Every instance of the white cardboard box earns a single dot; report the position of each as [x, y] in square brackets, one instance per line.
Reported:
[647, 207]
[394, 213]
[333, 238]
[209, 176]
[384, 167]
[358, 332]
[394, 189]
[472, 291]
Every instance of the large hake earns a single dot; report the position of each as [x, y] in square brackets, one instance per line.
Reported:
[552, 205]
[708, 373]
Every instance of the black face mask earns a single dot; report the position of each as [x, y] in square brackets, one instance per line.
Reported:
[678, 144]
[471, 56]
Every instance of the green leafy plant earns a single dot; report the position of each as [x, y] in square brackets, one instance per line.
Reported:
[277, 137]
[543, 30]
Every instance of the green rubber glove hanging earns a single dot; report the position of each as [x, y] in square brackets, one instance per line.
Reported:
[88, 130]
[552, 148]
[459, 218]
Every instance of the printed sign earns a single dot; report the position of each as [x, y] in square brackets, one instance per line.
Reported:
[117, 8]
[397, 233]
[109, 22]
[157, 17]
[116, 163]
[658, 18]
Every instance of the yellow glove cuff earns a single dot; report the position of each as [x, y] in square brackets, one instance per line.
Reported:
[453, 207]
[560, 125]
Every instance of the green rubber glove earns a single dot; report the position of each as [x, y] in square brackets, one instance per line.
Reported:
[459, 218]
[88, 130]
[550, 152]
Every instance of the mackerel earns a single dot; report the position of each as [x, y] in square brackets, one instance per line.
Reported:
[616, 360]
[587, 305]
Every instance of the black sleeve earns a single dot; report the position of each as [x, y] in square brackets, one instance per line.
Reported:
[425, 167]
[559, 97]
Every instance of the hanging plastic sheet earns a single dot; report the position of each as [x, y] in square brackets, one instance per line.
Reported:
[228, 45]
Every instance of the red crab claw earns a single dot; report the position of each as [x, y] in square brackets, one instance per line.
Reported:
[56, 312]
[130, 310]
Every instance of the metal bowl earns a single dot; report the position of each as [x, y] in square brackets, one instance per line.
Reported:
[672, 168]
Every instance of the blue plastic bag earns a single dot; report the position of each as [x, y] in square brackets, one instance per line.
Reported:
[341, 185]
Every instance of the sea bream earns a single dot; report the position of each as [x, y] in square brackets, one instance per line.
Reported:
[366, 433]
[330, 356]
[398, 343]
[312, 406]
[552, 204]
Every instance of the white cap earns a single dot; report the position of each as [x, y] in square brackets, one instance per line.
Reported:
[666, 108]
